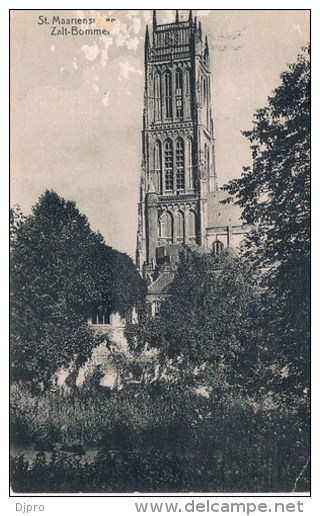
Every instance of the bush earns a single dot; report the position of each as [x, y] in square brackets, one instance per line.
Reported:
[170, 442]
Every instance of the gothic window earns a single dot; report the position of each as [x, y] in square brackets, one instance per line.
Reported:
[157, 165]
[204, 89]
[179, 107]
[168, 94]
[168, 165]
[180, 164]
[166, 226]
[179, 226]
[217, 247]
[187, 82]
[187, 110]
[157, 97]
[206, 160]
[191, 224]
[206, 100]
[189, 165]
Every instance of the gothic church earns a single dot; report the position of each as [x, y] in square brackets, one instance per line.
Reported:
[179, 194]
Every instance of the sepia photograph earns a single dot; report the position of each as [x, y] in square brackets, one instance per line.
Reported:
[160, 252]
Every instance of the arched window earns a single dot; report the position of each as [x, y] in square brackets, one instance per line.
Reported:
[187, 107]
[157, 165]
[179, 106]
[180, 164]
[188, 82]
[168, 94]
[166, 226]
[205, 160]
[157, 97]
[191, 224]
[168, 164]
[217, 247]
[204, 90]
[206, 100]
[189, 164]
[179, 226]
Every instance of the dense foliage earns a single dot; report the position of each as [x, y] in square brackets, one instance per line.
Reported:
[209, 322]
[61, 273]
[275, 196]
[136, 439]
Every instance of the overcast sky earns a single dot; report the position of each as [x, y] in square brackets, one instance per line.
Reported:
[76, 104]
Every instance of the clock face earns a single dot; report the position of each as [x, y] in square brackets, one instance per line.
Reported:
[171, 38]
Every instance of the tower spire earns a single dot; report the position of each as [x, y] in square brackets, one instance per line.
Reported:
[190, 15]
[177, 15]
[154, 19]
[206, 51]
[147, 42]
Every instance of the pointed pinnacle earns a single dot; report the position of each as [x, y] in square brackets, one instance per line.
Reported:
[147, 39]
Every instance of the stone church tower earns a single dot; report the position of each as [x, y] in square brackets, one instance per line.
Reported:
[178, 166]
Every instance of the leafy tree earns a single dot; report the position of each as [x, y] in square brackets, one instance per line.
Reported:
[16, 220]
[275, 196]
[61, 273]
[208, 324]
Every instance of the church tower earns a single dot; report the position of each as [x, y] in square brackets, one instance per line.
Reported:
[178, 166]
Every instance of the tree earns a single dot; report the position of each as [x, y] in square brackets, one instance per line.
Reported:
[208, 323]
[61, 272]
[16, 220]
[275, 196]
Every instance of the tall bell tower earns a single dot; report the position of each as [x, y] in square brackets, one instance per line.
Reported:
[178, 165]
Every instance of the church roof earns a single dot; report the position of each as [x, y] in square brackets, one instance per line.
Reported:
[231, 251]
[161, 284]
[221, 215]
